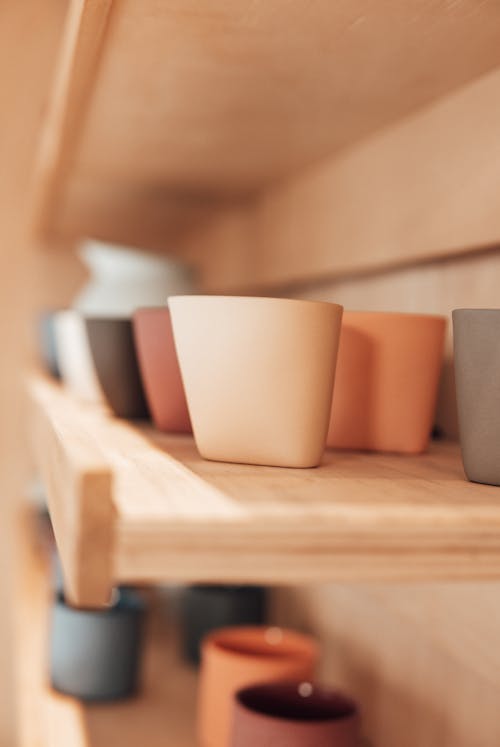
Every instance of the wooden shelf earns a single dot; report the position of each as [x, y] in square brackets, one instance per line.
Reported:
[131, 504]
[161, 716]
[159, 108]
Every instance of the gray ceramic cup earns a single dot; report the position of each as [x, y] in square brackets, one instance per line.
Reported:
[207, 607]
[476, 339]
[95, 654]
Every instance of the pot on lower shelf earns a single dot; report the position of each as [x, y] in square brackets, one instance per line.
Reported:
[233, 658]
[258, 375]
[207, 608]
[295, 714]
[95, 653]
[476, 339]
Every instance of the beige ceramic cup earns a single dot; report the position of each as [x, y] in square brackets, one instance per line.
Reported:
[258, 375]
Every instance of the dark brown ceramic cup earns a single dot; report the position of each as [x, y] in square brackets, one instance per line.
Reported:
[115, 362]
[476, 339]
[159, 367]
[294, 714]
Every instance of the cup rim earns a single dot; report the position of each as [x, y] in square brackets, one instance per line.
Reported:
[395, 314]
[348, 708]
[123, 601]
[206, 297]
[249, 642]
[475, 310]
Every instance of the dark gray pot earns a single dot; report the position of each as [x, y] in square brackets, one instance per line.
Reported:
[95, 654]
[113, 352]
[476, 339]
[206, 608]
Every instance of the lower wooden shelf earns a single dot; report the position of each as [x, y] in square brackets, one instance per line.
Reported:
[129, 504]
[161, 716]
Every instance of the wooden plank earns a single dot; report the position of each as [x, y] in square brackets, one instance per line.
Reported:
[80, 49]
[357, 516]
[162, 715]
[161, 100]
[221, 94]
[78, 481]
[422, 189]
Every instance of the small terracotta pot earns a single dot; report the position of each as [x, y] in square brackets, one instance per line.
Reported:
[295, 714]
[159, 367]
[74, 357]
[387, 381]
[113, 352]
[208, 607]
[233, 658]
[95, 654]
[476, 338]
[258, 375]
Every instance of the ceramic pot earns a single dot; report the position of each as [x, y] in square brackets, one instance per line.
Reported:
[476, 340]
[74, 357]
[94, 654]
[47, 343]
[387, 380]
[207, 608]
[113, 353]
[294, 714]
[258, 375]
[122, 279]
[159, 367]
[233, 658]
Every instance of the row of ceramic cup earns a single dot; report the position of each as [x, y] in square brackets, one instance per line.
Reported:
[256, 683]
[258, 374]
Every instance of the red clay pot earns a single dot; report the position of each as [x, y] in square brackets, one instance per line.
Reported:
[294, 714]
[161, 376]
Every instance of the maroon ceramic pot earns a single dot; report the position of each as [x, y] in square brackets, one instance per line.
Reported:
[161, 376]
[294, 714]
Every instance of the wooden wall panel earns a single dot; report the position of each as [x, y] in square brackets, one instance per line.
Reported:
[423, 660]
[423, 188]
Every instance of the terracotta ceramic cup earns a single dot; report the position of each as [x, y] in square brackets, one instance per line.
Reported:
[476, 338]
[387, 379]
[95, 654]
[208, 607]
[294, 714]
[159, 367]
[233, 658]
[74, 357]
[113, 352]
[258, 375]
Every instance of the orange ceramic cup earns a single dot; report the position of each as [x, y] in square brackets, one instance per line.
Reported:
[235, 657]
[159, 367]
[386, 383]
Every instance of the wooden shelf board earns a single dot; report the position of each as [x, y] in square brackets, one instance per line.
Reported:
[176, 516]
[186, 96]
[162, 715]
